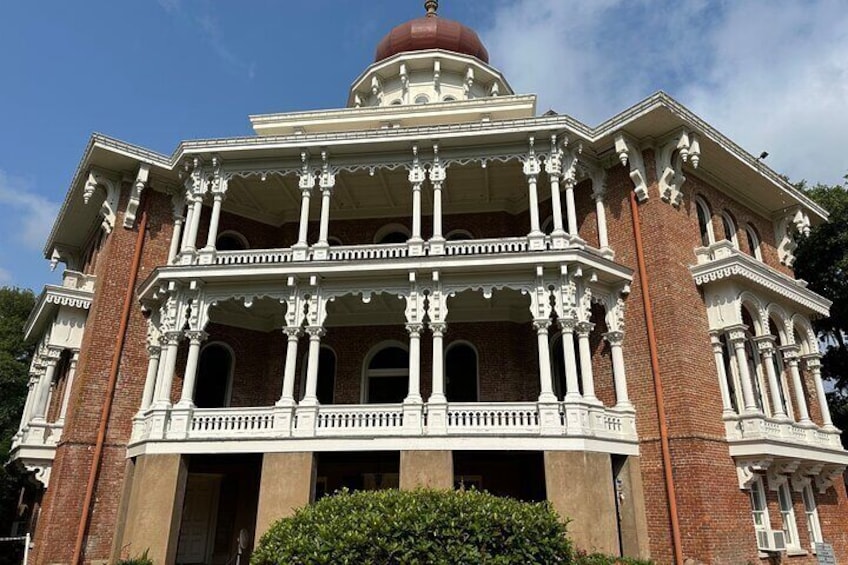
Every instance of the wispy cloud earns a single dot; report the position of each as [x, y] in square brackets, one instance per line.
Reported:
[27, 217]
[5, 277]
[204, 21]
[770, 74]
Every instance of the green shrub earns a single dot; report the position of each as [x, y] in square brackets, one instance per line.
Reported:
[416, 527]
[142, 559]
[583, 558]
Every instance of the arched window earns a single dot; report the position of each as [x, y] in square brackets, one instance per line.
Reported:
[548, 225]
[753, 242]
[780, 369]
[449, 98]
[705, 223]
[386, 378]
[396, 102]
[392, 233]
[457, 235]
[325, 389]
[729, 225]
[461, 373]
[334, 241]
[230, 241]
[422, 99]
[214, 377]
[92, 251]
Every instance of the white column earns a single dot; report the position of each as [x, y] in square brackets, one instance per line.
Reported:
[69, 383]
[790, 356]
[414, 394]
[188, 219]
[195, 340]
[310, 398]
[175, 239]
[290, 369]
[324, 227]
[813, 363]
[615, 340]
[556, 202]
[214, 220]
[572, 383]
[44, 384]
[437, 175]
[437, 211]
[570, 207]
[546, 389]
[305, 194]
[194, 225]
[438, 393]
[765, 344]
[166, 377]
[534, 205]
[32, 387]
[737, 342]
[601, 214]
[154, 352]
[583, 331]
[416, 211]
[726, 404]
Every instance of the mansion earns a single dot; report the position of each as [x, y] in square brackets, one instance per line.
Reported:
[432, 287]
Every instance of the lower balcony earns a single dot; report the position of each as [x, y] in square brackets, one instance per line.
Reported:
[756, 434]
[477, 425]
[34, 447]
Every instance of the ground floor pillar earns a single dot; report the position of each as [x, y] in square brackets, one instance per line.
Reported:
[633, 522]
[287, 483]
[426, 469]
[580, 486]
[155, 505]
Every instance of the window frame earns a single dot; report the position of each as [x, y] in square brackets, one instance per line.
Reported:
[754, 242]
[705, 223]
[728, 224]
[368, 373]
[811, 512]
[759, 512]
[789, 522]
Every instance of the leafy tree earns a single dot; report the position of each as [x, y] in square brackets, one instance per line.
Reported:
[15, 356]
[822, 260]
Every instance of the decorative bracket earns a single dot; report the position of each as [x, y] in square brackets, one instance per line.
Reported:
[682, 147]
[109, 207]
[746, 471]
[135, 195]
[795, 221]
[630, 153]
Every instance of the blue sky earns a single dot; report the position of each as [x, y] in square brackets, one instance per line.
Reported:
[770, 74]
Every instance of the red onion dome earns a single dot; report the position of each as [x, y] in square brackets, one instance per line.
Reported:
[431, 32]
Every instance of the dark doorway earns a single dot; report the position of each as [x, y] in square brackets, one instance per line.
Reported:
[518, 474]
[213, 382]
[387, 376]
[461, 373]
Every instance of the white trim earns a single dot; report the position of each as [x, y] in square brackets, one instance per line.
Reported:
[703, 207]
[727, 221]
[787, 515]
[368, 373]
[811, 512]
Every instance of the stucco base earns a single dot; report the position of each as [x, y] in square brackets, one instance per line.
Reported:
[580, 487]
[631, 508]
[155, 507]
[426, 469]
[287, 484]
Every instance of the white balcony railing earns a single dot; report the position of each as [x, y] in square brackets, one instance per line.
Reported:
[253, 256]
[369, 421]
[755, 429]
[366, 252]
[486, 246]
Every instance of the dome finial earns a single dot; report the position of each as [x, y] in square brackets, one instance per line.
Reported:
[432, 6]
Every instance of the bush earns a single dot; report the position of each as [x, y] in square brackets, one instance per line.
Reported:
[417, 527]
[583, 558]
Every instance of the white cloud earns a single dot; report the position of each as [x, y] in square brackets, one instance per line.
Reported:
[27, 217]
[5, 277]
[771, 75]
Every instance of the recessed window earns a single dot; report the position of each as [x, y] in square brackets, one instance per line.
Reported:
[387, 376]
[230, 241]
[422, 99]
[392, 233]
[458, 235]
[214, 381]
[759, 508]
[704, 222]
[753, 242]
[449, 98]
[812, 512]
[461, 373]
[787, 514]
[729, 225]
[396, 102]
[325, 387]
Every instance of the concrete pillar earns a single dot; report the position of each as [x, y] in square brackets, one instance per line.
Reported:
[426, 469]
[633, 522]
[155, 507]
[579, 485]
[287, 483]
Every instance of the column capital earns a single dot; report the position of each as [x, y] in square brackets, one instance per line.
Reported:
[737, 333]
[567, 325]
[52, 355]
[790, 353]
[293, 332]
[765, 344]
[584, 328]
[315, 332]
[196, 337]
[438, 328]
[614, 337]
[812, 361]
[414, 329]
[541, 325]
[154, 350]
[172, 337]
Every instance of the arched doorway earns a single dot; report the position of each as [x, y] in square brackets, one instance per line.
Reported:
[214, 382]
[386, 378]
[461, 373]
